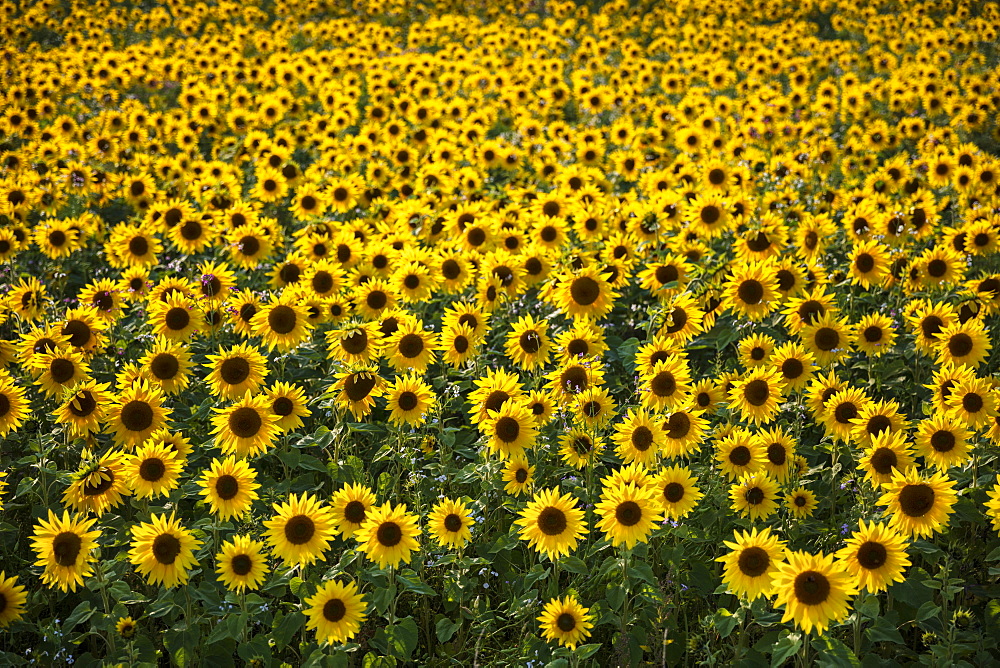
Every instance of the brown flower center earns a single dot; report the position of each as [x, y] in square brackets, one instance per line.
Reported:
[552, 521]
[812, 588]
[300, 529]
[753, 561]
[166, 548]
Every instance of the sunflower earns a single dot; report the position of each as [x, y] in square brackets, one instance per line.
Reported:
[236, 371]
[528, 344]
[755, 350]
[351, 505]
[336, 612]
[739, 453]
[842, 409]
[751, 563]
[288, 405]
[667, 385]
[813, 589]
[754, 495]
[409, 398]
[175, 317]
[13, 407]
[136, 413]
[166, 365]
[388, 535]
[585, 294]
[571, 378]
[449, 523]
[920, 506]
[639, 437]
[552, 524]
[12, 600]
[566, 621]
[751, 291]
[283, 324]
[163, 550]
[98, 485]
[579, 449]
[778, 450]
[943, 441]
[628, 513]
[63, 547]
[869, 261]
[973, 401]
[154, 470]
[241, 565]
[800, 502]
[458, 345]
[373, 298]
[966, 343]
[229, 485]
[358, 390]
[301, 529]
[992, 506]
[355, 344]
[828, 339]
[678, 493]
[247, 428]
[889, 451]
[757, 395]
[876, 556]
[492, 391]
[683, 430]
[126, 628]
[874, 334]
[83, 327]
[60, 370]
[928, 320]
[519, 475]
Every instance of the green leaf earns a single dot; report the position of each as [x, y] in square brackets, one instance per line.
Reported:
[724, 622]
[869, 607]
[412, 582]
[786, 647]
[927, 611]
[574, 565]
[402, 638]
[834, 654]
[616, 596]
[286, 626]
[884, 631]
[446, 629]
[643, 571]
[587, 651]
[81, 613]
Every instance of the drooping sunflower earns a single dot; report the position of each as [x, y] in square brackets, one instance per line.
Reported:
[628, 513]
[163, 550]
[409, 399]
[283, 323]
[236, 371]
[13, 598]
[388, 535]
[247, 428]
[350, 506]
[754, 495]
[13, 407]
[813, 589]
[519, 474]
[63, 548]
[229, 485]
[751, 563]
[551, 523]
[757, 395]
[336, 612]
[639, 437]
[876, 556]
[585, 294]
[920, 506]
[154, 470]
[449, 522]
[301, 529]
[678, 491]
[98, 485]
[943, 441]
[241, 565]
[566, 621]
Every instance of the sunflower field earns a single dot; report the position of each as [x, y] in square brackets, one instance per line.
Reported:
[532, 333]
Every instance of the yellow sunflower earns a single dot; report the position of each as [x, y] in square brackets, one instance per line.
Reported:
[98, 485]
[163, 550]
[449, 522]
[751, 563]
[551, 523]
[919, 505]
[241, 565]
[757, 395]
[876, 556]
[229, 486]
[283, 324]
[301, 529]
[63, 547]
[154, 470]
[236, 371]
[136, 413]
[813, 589]
[755, 496]
[628, 514]
[13, 597]
[566, 621]
[678, 491]
[388, 535]
[336, 612]
[247, 428]
[350, 506]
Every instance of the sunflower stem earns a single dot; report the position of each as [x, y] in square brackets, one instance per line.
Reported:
[107, 606]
